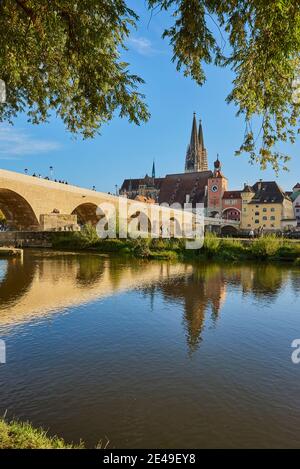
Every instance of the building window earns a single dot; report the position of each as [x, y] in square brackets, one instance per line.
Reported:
[257, 214]
[257, 222]
[264, 210]
[273, 218]
[273, 209]
[265, 218]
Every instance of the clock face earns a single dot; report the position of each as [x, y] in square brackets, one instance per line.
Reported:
[214, 188]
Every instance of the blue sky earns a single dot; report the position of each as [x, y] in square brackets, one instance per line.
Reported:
[124, 150]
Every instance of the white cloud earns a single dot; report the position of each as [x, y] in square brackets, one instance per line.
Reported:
[15, 143]
[142, 45]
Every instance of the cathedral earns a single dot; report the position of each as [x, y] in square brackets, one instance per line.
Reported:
[197, 184]
[196, 157]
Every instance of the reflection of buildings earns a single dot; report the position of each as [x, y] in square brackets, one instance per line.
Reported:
[201, 291]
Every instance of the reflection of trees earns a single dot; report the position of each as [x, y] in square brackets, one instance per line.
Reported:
[16, 281]
[117, 266]
[268, 281]
[90, 269]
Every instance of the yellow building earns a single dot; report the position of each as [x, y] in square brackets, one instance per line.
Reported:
[265, 205]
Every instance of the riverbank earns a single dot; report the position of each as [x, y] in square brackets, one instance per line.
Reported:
[269, 248]
[17, 435]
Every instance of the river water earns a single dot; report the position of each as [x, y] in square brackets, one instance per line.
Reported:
[151, 354]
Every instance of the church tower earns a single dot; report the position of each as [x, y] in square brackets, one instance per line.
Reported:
[196, 157]
[217, 185]
[202, 160]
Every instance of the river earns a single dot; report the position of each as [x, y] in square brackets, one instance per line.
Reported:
[151, 354]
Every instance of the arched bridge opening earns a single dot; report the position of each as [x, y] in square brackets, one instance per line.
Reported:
[17, 211]
[229, 230]
[87, 214]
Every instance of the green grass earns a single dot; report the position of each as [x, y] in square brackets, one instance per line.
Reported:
[16, 435]
[268, 248]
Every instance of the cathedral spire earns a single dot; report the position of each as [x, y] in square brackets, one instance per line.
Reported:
[194, 135]
[196, 157]
[192, 151]
[200, 136]
[153, 170]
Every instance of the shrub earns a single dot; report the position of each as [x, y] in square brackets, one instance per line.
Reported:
[231, 249]
[211, 245]
[67, 240]
[173, 244]
[164, 255]
[111, 245]
[265, 247]
[141, 247]
[89, 235]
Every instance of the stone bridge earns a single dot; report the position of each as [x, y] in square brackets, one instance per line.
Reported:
[35, 204]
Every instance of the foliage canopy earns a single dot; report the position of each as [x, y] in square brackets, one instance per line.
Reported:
[65, 56]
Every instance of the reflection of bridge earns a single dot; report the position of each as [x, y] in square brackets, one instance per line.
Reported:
[26, 200]
[71, 280]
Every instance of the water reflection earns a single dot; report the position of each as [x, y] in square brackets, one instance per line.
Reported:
[203, 292]
[44, 282]
[149, 348]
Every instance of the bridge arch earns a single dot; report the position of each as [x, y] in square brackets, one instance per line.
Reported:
[231, 213]
[229, 230]
[140, 222]
[86, 214]
[18, 212]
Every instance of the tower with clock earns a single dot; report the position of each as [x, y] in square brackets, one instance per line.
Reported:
[216, 186]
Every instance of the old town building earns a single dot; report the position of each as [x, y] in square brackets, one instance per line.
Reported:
[262, 206]
[217, 185]
[266, 206]
[295, 197]
[232, 205]
[148, 187]
[187, 187]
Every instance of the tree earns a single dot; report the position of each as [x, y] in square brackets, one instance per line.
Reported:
[64, 56]
[264, 45]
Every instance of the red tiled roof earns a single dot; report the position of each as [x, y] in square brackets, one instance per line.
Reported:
[232, 195]
[175, 187]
